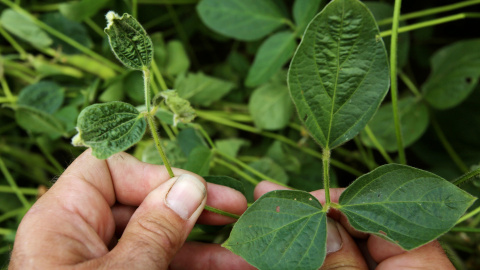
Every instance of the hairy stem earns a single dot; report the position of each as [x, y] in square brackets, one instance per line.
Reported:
[462, 179]
[156, 138]
[146, 88]
[326, 175]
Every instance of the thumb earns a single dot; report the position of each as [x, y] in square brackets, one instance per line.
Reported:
[160, 225]
[342, 251]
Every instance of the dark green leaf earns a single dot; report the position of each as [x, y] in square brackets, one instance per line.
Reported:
[279, 153]
[455, 73]
[35, 120]
[226, 181]
[241, 19]
[68, 116]
[24, 28]
[270, 58]
[268, 167]
[201, 89]
[283, 229]
[45, 96]
[188, 139]
[304, 11]
[402, 204]
[199, 160]
[81, 10]
[109, 128]
[175, 156]
[339, 73]
[270, 106]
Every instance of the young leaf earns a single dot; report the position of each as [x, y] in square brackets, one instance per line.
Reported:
[271, 56]
[199, 160]
[284, 229]
[241, 19]
[182, 111]
[402, 204]
[24, 28]
[45, 96]
[129, 41]
[304, 11]
[270, 107]
[109, 128]
[339, 73]
[201, 89]
[455, 72]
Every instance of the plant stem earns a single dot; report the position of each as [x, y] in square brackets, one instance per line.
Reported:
[377, 144]
[469, 215]
[159, 76]
[237, 171]
[431, 23]
[326, 175]
[460, 180]
[7, 91]
[363, 153]
[12, 184]
[206, 136]
[430, 11]
[94, 26]
[134, 8]
[156, 138]
[12, 213]
[221, 212]
[393, 80]
[146, 88]
[465, 229]
[14, 43]
[4, 231]
[446, 144]
[5, 249]
[410, 85]
[25, 191]
[168, 131]
[50, 158]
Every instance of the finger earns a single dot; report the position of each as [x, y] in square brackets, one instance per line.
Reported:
[199, 256]
[159, 226]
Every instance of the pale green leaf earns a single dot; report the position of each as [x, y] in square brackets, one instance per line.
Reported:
[129, 41]
[173, 152]
[182, 111]
[109, 128]
[38, 121]
[270, 106]
[177, 58]
[339, 73]
[45, 96]
[199, 160]
[402, 204]
[304, 11]
[270, 58]
[413, 119]
[241, 19]
[283, 229]
[201, 89]
[230, 147]
[455, 73]
[81, 10]
[24, 28]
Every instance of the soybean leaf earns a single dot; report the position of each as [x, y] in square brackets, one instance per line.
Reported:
[109, 128]
[81, 10]
[175, 156]
[188, 139]
[177, 58]
[68, 116]
[24, 28]
[339, 73]
[270, 106]
[279, 153]
[455, 72]
[35, 120]
[268, 167]
[226, 181]
[241, 19]
[133, 85]
[45, 96]
[231, 147]
[402, 204]
[283, 229]
[182, 111]
[270, 58]
[413, 118]
[202, 89]
[129, 41]
[304, 11]
[199, 160]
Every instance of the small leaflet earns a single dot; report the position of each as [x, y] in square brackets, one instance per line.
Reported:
[182, 111]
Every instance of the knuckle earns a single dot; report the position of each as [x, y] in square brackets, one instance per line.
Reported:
[161, 234]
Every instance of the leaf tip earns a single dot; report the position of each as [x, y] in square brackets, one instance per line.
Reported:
[111, 16]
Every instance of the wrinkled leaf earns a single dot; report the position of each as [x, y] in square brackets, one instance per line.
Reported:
[270, 58]
[45, 96]
[455, 73]
[202, 89]
[241, 19]
[199, 160]
[304, 11]
[339, 73]
[226, 181]
[270, 107]
[109, 128]
[405, 205]
[182, 111]
[24, 28]
[81, 10]
[283, 229]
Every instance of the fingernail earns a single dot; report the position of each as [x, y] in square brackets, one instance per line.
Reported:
[334, 240]
[186, 195]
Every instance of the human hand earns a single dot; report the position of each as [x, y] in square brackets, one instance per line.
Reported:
[75, 222]
[343, 252]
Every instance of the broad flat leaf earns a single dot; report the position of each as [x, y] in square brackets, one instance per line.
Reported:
[201, 89]
[45, 96]
[413, 119]
[268, 167]
[182, 111]
[339, 73]
[129, 41]
[241, 19]
[109, 128]
[231, 147]
[188, 139]
[35, 120]
[455, 72]
[282, 155]
[68, 116]
[199, 160]
[226, 181]
[270, 58]
[175, 156]
[402, 204]
[283, 229]
[81, 10]
[270, 106]
[304, 11]
[177, 58]
[24, 28]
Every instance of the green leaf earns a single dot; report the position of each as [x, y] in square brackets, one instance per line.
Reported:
[109, 128]
[339, 73]
[35, 120]
[188, 139]
[68, 116]
[270, 106]
[268, 167]
[81, 10]
[230, 147]
[199, 160]
[175, 156]
[201, 89]
[241, 19]
[413, 119]
[129, 41]
[405, 205]
[455, 73]
[270, 58]
[304, 11]
[24, 28]
[226, 181]
[283, 229]
[279, 153]
[182, 111]
[45, 96]
[177, 58]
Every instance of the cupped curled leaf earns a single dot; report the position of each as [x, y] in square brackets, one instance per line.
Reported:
[129, 41]
[405, 205]
[182, 111]
[109, 128]
[284, 229]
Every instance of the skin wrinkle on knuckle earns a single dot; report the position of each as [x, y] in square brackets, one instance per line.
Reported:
[160, 233]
